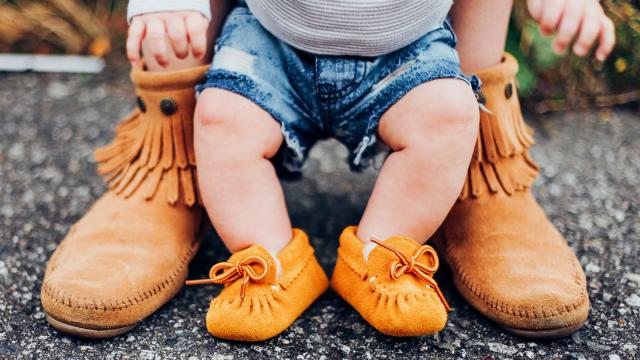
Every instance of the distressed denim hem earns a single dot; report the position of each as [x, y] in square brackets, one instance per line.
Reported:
[294, 156]
[361, 157]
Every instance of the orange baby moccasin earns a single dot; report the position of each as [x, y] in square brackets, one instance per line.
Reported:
[257, 303]
[394, 289]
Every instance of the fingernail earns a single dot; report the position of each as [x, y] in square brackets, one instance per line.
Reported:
[558, 48]
[578, 50]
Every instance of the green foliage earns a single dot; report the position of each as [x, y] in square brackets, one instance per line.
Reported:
[553, 81]
[546, 79]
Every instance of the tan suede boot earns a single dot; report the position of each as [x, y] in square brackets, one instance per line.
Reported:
[508, 260]
[129, 254]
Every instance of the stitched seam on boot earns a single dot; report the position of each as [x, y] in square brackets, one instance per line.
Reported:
[381, 289]
[297, 275]
[346, 263]
[60, 297]
[510, 309]
[266, 295]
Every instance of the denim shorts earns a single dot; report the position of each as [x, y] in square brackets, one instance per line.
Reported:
[315, 97]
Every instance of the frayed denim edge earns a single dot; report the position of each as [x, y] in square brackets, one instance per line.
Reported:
[253, 90]
[362, 155]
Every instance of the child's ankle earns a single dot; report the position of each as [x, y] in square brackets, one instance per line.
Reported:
[368, 245]
[366, 250]
[274, 255]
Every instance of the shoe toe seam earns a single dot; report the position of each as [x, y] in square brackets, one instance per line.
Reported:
[512, 309]
[269, 293]
[59, 296]
[297, 275]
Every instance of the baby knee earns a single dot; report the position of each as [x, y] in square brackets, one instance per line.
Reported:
[234, 124]
[211, 109]
[460, 108]
[454, 114]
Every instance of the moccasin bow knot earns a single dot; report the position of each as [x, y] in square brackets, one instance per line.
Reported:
[226, 273]
[410, 265]
[282, 288]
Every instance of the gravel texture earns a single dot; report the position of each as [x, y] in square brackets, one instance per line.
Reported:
[49, 125]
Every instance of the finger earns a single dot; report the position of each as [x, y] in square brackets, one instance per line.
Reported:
[551, 16]
[535, 9]
[197, 26]
[157, 40]
[178, 36]
[134, 39]
[569, 24]
[607, 39]
[589, 30]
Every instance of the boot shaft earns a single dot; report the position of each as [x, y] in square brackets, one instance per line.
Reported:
[500, 162]
[152, 153]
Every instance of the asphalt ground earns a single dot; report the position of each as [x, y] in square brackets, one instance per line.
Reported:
[49, 125]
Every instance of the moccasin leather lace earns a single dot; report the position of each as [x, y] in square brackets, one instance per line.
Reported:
[410, 265]
[227, 273]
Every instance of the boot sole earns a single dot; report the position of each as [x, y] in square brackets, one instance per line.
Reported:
[92, 333]
[546, 334]
[439, 243]
[553, 333]
[84, 332]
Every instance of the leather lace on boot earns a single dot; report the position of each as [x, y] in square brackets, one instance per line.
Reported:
[273, 301]
[227, 273]
[409, 265]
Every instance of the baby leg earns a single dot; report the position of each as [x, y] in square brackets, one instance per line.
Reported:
[234, 140]
[264, 293]
[481, 27]
[432, 132]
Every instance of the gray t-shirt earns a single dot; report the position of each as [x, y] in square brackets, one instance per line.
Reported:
[330, 27]
[349, 27]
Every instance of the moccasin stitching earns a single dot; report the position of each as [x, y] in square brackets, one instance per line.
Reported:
[270, 293]
[346, 263]
[297, 275]
[381, 289]
[59, 296]
[511, 309]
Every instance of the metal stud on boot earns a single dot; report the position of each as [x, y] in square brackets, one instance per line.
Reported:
[508, 260]
[129, 254]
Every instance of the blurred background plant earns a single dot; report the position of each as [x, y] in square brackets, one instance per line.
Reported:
[61, 26]
[548, 82]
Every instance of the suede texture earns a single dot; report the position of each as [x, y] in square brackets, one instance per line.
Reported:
[130, 252]
[508, 260]
[406, 306]
[270, 305]
[154, 145]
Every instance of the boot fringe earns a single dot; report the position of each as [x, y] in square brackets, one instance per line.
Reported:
[500, 160]
[146, 152]
[155, 145]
